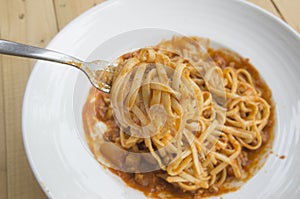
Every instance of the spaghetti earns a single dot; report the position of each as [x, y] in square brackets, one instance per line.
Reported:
[195, 116]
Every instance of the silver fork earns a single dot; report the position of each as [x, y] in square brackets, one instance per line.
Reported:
[99, 72]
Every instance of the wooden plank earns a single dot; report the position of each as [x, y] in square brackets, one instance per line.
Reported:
[267, 5]
[290, 11]
[66, 10]
[3, 168]
[31, 22]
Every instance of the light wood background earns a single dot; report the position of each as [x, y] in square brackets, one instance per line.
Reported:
[36, 22]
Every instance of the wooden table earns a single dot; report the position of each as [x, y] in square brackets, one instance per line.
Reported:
[36, 22]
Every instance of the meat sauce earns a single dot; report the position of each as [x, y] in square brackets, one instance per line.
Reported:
[150, 183]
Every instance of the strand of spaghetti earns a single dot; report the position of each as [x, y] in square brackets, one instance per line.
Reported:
[158, 143]
[231, 77]
[146, 92]
[177, 76]
[222, 179]
[170, 147]
[147, 54]
[162, 58]
[245, 89]
[187, 187]
[197, 166]
[149, 146]
[163, 78]
[213, 179]
[238, 132]
[156, 96]
[242, 72]
[164, 88]
[258, 138]
[167, 139]
[127, 143]
[176, 106]
[162, 74]
[174, 170]
[222, 166]
[191, 178]
[174, 179]
[176, 161]
[140, 115]
[136, 84]
[204, 135]
[196, 90]
[127, 67]
[203, 184]
[166, 101]
[117, 99]
[222, 157]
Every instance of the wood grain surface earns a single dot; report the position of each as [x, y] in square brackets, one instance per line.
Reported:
[36, 22]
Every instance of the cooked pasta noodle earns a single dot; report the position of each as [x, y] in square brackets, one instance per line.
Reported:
[194, 117]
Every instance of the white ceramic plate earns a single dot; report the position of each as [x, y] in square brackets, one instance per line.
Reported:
[55, 94]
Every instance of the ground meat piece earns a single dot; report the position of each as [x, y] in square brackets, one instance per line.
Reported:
[220, 61]
[244, 159]
[113, 131]
[265, 137]
[199, 192]
[213, 189]
[229, 171]
[141, 179]
[158, 188]
[103, 108]
[149, 180]
[197, 197]
[207, 114]
[265, 134]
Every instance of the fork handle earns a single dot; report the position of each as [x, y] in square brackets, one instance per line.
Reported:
[22, 50]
